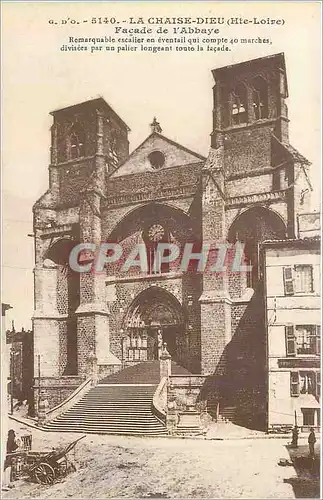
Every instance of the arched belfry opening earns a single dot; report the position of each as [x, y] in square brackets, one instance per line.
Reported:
[155, 316]
[76, 142]
[239, 111]
[260, 98]
[67, 299]
[252, 227]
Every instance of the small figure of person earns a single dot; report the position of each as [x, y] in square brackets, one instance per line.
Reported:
[159, 342]
[295, 433]
[12, 446]
[311, 442]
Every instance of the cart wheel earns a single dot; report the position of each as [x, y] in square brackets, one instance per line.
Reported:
[44, 473]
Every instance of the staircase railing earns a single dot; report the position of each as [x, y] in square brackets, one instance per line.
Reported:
[159, 404]
[70, 401]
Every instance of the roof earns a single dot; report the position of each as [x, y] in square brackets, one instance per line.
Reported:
[306, 401]
[170, 141]
[313, 240]
[250, 62]
[293, 152]
[97, 102]
[296, 154]
[199, 157]
[280, 57]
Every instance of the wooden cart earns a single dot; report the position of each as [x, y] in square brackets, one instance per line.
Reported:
[43, 467]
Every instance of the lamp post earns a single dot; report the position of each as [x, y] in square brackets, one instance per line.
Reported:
[13, 354]
[38, 401]
[12, 374]
[5, 374]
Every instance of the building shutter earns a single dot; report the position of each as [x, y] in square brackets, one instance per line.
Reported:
[318, 384]
[294, 383]
[288, 280]
[318, 339]
[290, 340]
[303, 278]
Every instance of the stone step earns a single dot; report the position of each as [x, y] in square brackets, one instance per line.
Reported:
[144, 426]
[112, 409]
[109, 418]
[227, 413]
[86, 430]
[119, 404]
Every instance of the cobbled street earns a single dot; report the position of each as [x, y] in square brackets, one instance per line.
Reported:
[114, 467]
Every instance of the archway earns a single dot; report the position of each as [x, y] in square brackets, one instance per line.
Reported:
[68, 300]
[151, 224]
[252, 227]
[155, 316]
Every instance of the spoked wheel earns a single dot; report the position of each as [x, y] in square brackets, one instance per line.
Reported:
[44, 473]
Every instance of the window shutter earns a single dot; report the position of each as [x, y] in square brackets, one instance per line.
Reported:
[290, 340]
[318, 384]
[294, 383]
[311, 278]
[318, 339]
[288, 280]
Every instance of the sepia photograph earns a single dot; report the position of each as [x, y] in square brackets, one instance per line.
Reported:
[161, 241]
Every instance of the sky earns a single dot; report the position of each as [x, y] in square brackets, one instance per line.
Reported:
[37, 77]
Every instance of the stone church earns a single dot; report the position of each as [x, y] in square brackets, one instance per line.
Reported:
[252, 187]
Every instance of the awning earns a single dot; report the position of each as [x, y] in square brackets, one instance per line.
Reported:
[307, 401]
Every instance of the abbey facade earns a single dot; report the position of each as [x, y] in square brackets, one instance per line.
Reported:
[252, 187]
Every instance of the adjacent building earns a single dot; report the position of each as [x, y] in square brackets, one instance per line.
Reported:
[293, 301]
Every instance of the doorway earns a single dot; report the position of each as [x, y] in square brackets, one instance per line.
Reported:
[156, 313]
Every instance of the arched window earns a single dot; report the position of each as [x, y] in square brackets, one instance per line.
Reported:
[153, 235]
[260, 98]
[239, 105]
[77, 143]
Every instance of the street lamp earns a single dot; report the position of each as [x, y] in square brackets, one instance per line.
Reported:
[12, 375]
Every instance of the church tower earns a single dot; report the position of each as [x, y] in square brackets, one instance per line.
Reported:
[251, 192]
[89, 141]
[249, 106]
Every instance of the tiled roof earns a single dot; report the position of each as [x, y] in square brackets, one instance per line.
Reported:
[296, 154]
[289, 241]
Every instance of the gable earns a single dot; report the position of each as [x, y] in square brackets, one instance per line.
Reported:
[156, 153]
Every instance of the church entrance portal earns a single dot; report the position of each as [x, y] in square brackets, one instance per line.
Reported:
[154, 317]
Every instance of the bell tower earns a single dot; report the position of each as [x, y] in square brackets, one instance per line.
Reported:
[249, 106]
[88, 141]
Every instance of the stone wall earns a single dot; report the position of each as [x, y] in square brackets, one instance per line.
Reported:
[55, 389]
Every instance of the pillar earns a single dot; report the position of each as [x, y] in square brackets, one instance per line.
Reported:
[215, 300]
[92, 313]
[217, 134]
[165, 362]
[46, 320]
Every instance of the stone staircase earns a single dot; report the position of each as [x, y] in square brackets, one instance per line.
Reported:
[112, 409]
[227, 413]
[119, 404]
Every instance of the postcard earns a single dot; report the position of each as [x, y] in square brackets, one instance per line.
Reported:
[161, 308]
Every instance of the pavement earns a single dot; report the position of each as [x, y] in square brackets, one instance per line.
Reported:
[215, 431]
[131, 467]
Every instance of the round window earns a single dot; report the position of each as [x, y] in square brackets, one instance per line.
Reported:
[157, 159]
